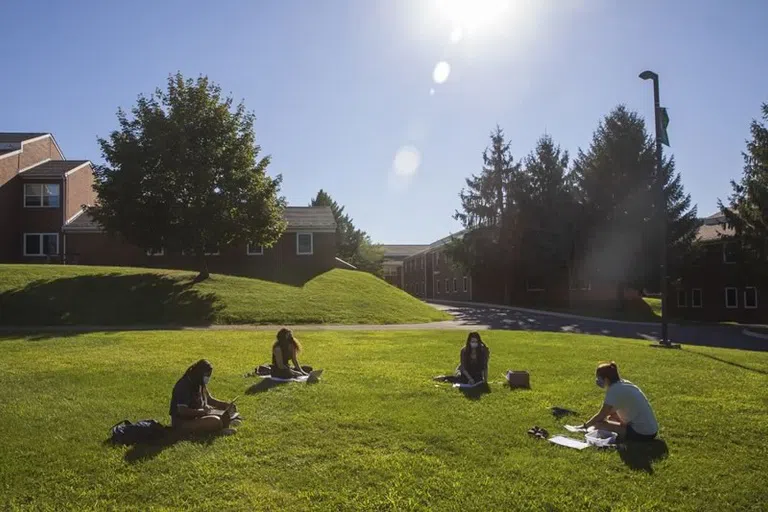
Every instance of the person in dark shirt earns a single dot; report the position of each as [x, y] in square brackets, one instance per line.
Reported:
[192, 406]
[473, 365]
[285, 351]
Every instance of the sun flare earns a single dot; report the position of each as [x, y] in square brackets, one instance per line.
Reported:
[471, 15]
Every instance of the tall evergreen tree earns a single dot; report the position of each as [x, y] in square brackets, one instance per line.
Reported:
[348, 238]
[616, 183]
[184, 173]
[352, 245]
[488, 213]
[545, 206]
[747, 211]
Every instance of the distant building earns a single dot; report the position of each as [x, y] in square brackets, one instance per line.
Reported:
[394, 256]
[42, 220]
[721, 285]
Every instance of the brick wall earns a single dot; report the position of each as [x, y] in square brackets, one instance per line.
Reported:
[38, 151]
[79, 191]
[277, 263]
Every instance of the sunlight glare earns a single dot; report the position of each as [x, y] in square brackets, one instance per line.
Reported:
[471, 15]
[407, 161]
[441, 72]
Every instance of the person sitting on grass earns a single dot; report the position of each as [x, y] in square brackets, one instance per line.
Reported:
[285, 350]
[192, 406]
[626, 410]
[473, 366]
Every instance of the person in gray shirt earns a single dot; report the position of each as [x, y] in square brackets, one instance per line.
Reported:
[626, 410]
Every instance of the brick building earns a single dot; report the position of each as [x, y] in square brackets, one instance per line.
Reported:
[394, 256]
[720, 285]
[42, 195]
[430, 274]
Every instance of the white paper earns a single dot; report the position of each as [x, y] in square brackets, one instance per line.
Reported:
[468, 386]
[567, 441]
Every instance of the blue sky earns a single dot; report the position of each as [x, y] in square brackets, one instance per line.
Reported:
[340, 86]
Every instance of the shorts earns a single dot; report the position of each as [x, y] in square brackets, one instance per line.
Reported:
[632, 435]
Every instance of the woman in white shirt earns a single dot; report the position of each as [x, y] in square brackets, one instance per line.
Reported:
[625, 410]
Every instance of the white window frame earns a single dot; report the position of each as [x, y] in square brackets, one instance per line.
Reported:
[42, 245]
[447, 286]
[701, 298]
[466, 288]
[735, 294]
[249, 252]
[42, 186]
[685, 299]
[311, 244]
[725, 253]
[455, 286]
[216, 253]
[437, 286]
[745, 297]
[152, 252]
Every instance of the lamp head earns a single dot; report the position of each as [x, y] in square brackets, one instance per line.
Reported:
[648, 75]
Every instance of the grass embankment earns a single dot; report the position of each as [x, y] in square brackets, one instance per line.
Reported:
[81, 295]
[376, 433]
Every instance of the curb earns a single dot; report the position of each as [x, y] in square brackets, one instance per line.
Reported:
[545, 312]
[753, 334]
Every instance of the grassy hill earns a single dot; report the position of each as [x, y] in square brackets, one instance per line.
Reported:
[376, 433]
[83, 295]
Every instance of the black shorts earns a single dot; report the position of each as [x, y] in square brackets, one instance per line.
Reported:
[634, 436]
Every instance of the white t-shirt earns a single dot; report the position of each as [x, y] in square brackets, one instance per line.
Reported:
[632, 407]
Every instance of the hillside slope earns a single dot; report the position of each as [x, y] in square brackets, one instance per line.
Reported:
[84, 295]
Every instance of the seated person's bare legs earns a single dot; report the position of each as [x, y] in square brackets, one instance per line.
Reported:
[210, 423]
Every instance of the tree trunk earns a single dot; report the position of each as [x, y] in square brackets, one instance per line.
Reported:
[204, 274]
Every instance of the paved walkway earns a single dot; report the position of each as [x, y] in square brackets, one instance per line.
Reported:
[482, 317]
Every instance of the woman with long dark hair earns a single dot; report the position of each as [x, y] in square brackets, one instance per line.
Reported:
[473, 366]
[285, 350]
[192, 405]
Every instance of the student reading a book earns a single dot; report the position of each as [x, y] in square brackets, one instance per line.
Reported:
[626, 410]
[473, 365]
[193, 408]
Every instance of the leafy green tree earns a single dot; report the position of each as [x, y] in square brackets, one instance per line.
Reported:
[183, 172]
[369, 257]
[747, 211]
[616, 182]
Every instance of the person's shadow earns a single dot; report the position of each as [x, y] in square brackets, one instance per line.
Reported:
[476, 392]
[147, 450]
[641, 456]
[264, 385]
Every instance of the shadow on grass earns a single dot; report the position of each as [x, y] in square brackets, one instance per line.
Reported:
[477, 392]
[148, 450]
[264, 385]
[108, 299]
[729, 363]
[640, 456]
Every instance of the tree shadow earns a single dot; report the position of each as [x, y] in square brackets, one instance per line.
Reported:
[108, 300]
[640, 456]
[264, 385]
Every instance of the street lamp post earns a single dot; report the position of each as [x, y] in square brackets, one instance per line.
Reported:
[650, 75]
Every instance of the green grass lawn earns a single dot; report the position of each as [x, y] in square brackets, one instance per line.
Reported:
[80, 295]
[376, 433]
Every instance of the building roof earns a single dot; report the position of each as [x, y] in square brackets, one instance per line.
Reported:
[310, 218]
[53, 168]
[18, 137]
[713, 228]
[402, 250]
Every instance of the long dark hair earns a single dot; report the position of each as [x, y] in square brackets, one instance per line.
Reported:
[196, 371]
[286, 341]
[475, 335]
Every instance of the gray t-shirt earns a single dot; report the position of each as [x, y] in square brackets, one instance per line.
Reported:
[632, 407]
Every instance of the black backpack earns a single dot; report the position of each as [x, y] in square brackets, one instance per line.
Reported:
[142, 431]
